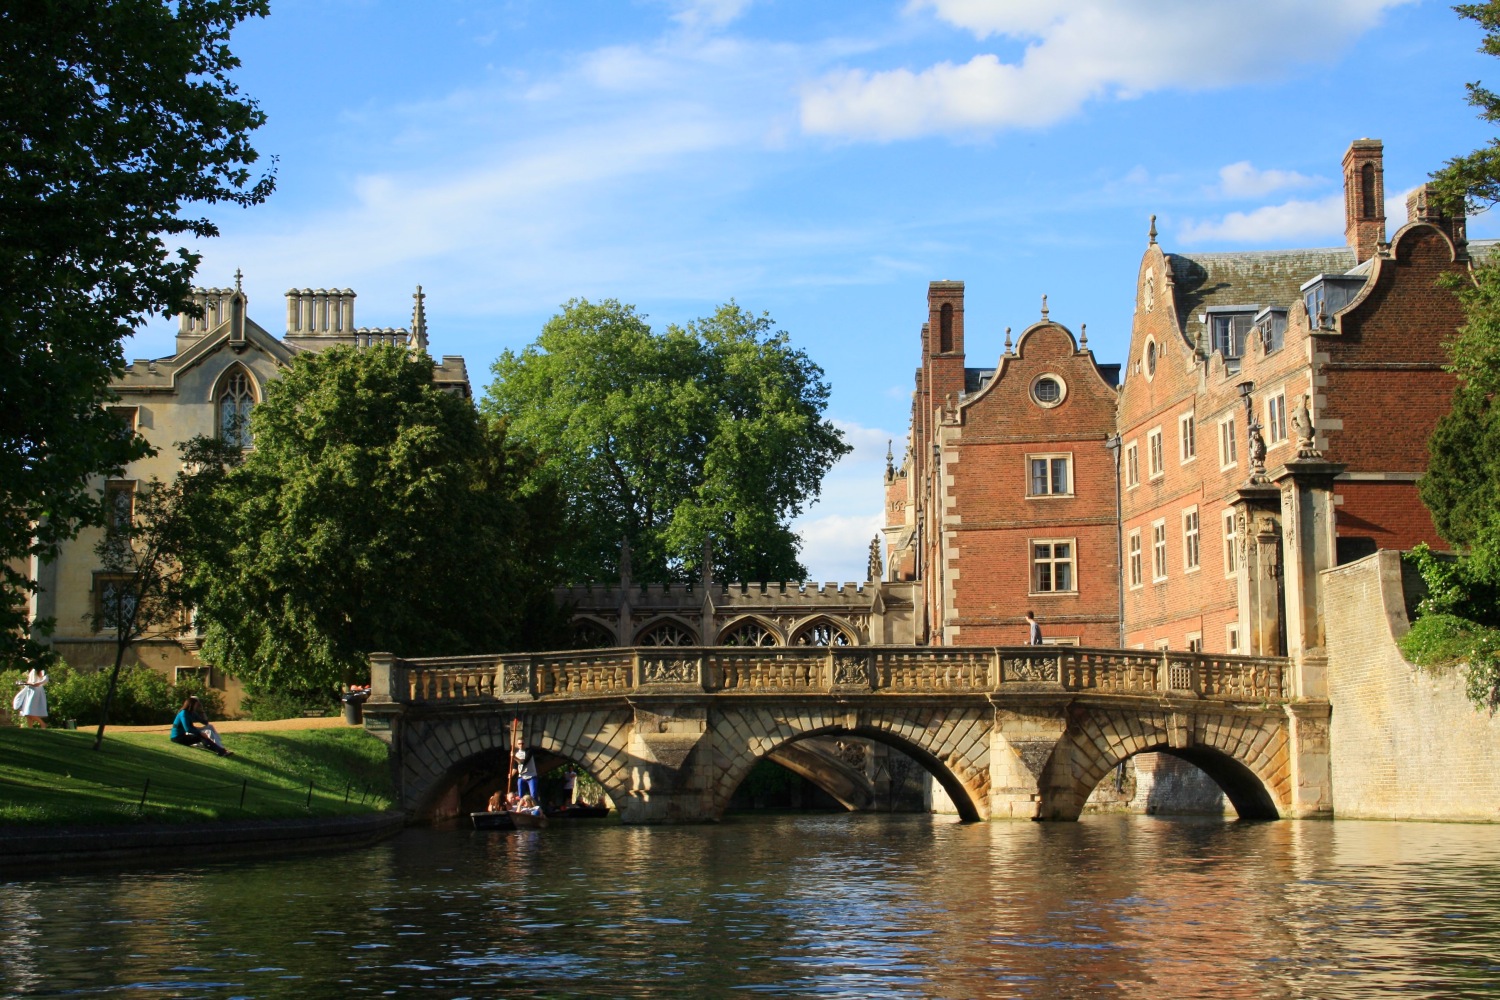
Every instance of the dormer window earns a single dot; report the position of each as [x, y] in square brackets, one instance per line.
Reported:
[1272, 324]
[1327, 294]
[1228, 329]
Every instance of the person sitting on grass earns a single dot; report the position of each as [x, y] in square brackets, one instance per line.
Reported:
[190, 729]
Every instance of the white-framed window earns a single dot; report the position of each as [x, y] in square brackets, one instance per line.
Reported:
[1060, 640]
[1232, 637]
[1187, 438]
[1190, 554]
[1132, 466]
[1049, 390]
[1231, 545]
[1052, 566]
[1194, 642]
[1229, 444]
[1158, 551]
[1158, 466]
[1276, 420]
[1134, 548]
[1162, 645]
[1049, 475]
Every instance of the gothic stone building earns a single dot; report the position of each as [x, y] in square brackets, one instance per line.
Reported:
[1269, 397]
[217, 374]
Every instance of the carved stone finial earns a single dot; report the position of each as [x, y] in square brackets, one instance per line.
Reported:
[1307, 434]
[1007, 340]
[1083, 335]
[890, 465]
[419, 322]
[238, 277]
[875, 569]
[1044, 308]
[1151, 236]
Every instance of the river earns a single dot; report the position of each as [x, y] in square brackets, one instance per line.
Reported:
[807, 905]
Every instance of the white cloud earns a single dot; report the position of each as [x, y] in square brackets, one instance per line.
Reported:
[836, 531]
[1076, 51]
[708, 14]
[1242, 180]
[1322, 219]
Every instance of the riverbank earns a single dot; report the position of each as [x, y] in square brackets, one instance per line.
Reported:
[54, 777]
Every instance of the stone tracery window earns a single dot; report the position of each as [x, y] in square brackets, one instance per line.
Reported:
[821, 633]
[666, 633]
[236, 397]
[591, 635]
[748, 633]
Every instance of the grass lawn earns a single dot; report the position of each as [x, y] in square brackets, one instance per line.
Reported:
[52, 777]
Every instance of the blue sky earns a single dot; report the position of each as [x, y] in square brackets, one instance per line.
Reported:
[819, 160]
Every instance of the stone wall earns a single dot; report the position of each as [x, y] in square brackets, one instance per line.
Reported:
[1405, 742]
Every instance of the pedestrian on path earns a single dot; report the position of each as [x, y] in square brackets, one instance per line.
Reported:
[1033, 630]
[31, 700]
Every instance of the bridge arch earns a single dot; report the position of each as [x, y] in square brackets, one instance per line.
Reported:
[438, 754]
[1248, 757]
[952, 746]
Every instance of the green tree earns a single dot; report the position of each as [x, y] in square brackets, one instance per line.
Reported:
[146, 541]
[375, 512]
[664, 438]
[114, 119]
[1475, 177]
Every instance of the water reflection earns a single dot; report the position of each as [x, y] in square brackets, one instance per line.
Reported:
[837, 906]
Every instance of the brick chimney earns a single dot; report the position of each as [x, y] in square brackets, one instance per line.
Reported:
[1364, 197]
[1423, 205]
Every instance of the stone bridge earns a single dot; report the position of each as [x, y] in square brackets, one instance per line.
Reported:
[1022, 732]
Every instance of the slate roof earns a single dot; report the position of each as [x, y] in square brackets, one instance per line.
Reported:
[1258, 278]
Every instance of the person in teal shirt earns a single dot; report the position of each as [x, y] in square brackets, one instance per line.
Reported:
[187, 728]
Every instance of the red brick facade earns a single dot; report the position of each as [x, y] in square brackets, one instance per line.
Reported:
[1351, 337]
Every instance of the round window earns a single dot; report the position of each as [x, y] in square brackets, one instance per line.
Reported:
[1150, 358]
[1048, 390]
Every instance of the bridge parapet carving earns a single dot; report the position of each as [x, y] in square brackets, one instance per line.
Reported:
[740, 670]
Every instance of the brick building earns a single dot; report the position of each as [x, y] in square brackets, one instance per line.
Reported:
[1006, 500]
[1270, 399]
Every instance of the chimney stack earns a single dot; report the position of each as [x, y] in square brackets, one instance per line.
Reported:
[1364, 197]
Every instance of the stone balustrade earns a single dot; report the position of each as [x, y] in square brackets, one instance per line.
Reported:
[767, 670]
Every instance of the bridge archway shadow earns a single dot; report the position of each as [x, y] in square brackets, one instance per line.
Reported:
[963, 797]
[467, 784]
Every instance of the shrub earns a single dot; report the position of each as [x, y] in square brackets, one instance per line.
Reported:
[142, 698]
[1443, 640]
[268, 706]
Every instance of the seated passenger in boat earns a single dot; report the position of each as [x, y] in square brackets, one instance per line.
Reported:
[528, 805]
[497, 802]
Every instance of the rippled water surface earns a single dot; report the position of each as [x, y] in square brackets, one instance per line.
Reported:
[831, 906]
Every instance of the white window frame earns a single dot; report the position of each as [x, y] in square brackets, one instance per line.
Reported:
[1231, 545]
[1064, 640]
[1194, 642]
[1049, 458]
[1159, 550]
[1134, 561]
[1276, 420]
[1132, 465]
[1229, 443]
[1187, 439]
[1232, 637]
[1162, 645]
[1156, 458]
[1071, 561]
[1192, 537]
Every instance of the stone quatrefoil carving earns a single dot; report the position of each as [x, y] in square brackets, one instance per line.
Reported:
[851, 670]
[1029, 669]
[664, 671]
[516, 680]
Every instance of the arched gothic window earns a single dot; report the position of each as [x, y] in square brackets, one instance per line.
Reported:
[748, 633]
[591, 635]
[236, 397]
[821, 633]
[666, 633]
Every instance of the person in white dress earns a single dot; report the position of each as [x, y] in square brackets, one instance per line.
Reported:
[31, 700]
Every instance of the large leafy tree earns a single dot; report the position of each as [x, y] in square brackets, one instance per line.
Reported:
[375, 512]
[663, 439]
[115, 118]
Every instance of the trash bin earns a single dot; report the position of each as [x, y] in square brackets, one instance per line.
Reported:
[354, 712]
